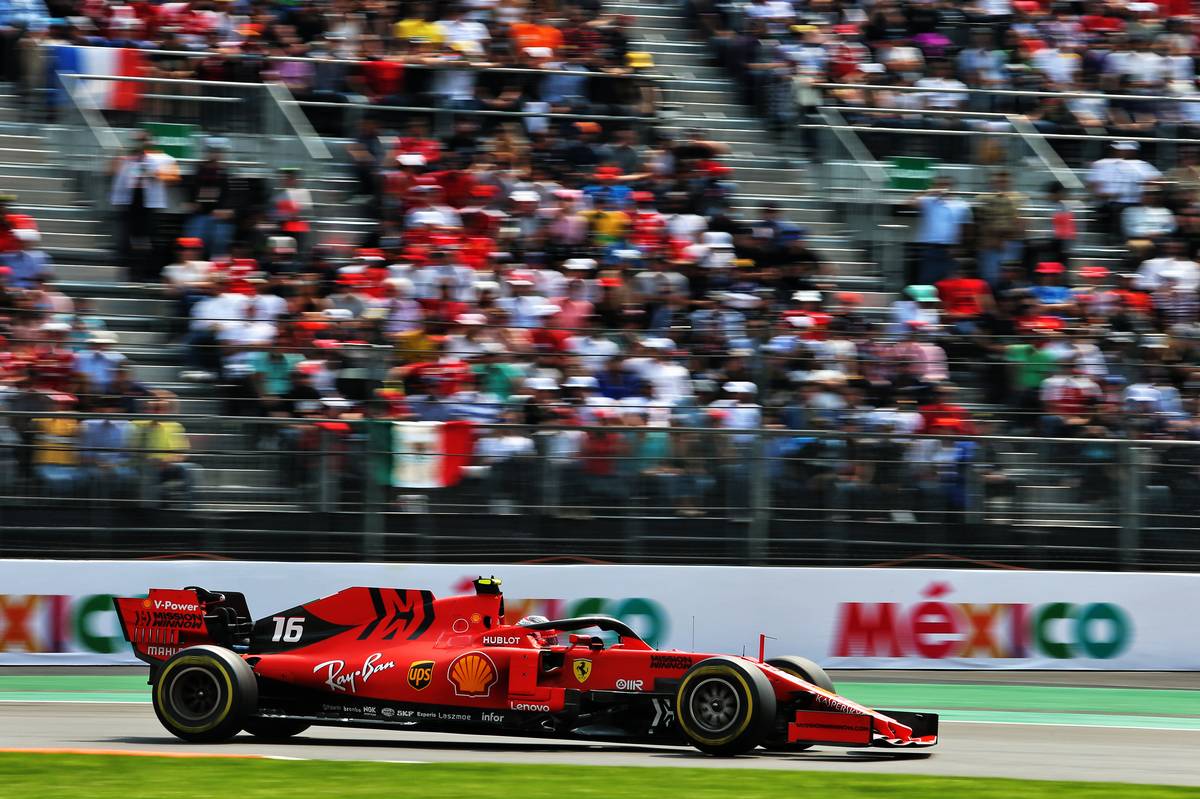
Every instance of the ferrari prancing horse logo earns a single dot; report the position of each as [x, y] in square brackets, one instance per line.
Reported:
[582, 669]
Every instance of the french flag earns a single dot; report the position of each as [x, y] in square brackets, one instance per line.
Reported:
[108, 95]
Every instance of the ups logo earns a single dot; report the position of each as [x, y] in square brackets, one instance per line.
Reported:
[420, 674]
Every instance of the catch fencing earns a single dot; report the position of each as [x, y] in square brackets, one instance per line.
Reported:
[678, 488]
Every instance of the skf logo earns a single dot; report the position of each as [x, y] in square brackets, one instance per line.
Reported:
[582, 669]
[472, 674]
[420, 674]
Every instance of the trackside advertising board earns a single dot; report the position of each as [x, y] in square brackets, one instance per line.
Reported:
[59, 612]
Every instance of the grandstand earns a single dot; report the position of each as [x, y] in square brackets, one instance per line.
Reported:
[788, 257]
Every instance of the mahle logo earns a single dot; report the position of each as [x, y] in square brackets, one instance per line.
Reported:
[936, 629]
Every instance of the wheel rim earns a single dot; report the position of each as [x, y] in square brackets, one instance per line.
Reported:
[715, 705]
[195, 693]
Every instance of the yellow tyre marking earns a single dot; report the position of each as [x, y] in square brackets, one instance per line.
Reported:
[724, 671]
[194, 660]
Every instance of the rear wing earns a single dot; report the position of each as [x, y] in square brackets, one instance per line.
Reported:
[168, 619]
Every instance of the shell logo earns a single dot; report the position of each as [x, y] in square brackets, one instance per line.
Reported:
[145, 603]
[472, 674]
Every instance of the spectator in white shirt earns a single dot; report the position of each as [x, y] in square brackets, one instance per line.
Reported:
[1173, 263]
[1150, 220]
[669, 380]
[217, 318]
[1117, 182]
[139, 194]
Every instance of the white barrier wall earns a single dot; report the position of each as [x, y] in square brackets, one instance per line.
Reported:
[60, 611]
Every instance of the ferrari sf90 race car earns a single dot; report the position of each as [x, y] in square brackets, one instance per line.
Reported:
[398, 659]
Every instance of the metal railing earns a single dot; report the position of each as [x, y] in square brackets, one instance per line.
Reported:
[368, 488]
[86, 137]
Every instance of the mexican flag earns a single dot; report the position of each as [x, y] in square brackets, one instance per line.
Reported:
[430, 454]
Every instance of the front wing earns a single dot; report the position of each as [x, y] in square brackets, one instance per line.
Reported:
[862, 729]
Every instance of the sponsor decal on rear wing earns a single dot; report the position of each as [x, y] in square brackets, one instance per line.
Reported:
[162, 623]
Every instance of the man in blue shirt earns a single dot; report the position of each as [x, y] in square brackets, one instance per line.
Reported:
[107, 462]
[1049, 290]
[97, 362]
[940, 227]
[27, 264]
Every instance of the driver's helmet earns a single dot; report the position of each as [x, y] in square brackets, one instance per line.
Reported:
[528, 620]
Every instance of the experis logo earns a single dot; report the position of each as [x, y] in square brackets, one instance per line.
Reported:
[937, 629]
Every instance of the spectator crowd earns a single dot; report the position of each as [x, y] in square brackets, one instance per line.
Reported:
[541, 56]
[560, 274]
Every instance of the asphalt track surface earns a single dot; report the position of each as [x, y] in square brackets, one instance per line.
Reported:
[1108, 752]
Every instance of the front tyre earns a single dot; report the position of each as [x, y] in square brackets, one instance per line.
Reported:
[808, 671]
[724, 707]
[204, 694]
[274, 729]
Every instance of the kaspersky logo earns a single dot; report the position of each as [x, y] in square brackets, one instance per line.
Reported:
[937, 629]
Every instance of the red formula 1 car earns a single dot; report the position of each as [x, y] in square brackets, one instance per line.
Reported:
[400, 659]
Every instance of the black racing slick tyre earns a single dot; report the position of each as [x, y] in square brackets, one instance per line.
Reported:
[803, 668]
[204, 694]
[274, 729]
[724, 706]
[808, 671]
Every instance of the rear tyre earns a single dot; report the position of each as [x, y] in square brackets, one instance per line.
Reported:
[204, 694]
[724, 707]
[274, 729]
[808, 671]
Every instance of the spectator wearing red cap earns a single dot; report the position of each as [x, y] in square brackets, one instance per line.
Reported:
[27, 264]
[184, 280]
[1050, 290]
[606, 185]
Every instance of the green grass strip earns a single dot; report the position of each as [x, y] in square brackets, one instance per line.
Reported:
[103, 777]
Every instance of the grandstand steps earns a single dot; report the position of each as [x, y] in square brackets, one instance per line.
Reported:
[155, 307]
[23, 155]
[86, 274]
[31, 196]
[22, 143]
[13, 180]
[229, 479]
[651, 22]
[700, 94]
[730, 135]
[711, 96]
